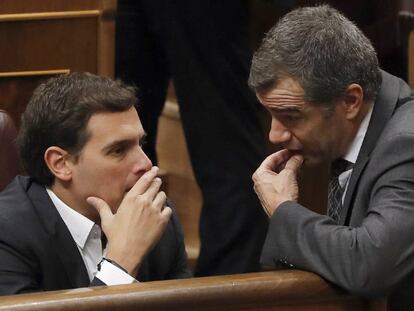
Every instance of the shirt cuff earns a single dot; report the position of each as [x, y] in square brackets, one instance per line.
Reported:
[112, 275]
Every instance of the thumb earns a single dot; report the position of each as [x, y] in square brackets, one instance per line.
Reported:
[101, 207]
[294, 163]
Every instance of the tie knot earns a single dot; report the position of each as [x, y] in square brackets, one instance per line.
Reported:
[339, 166]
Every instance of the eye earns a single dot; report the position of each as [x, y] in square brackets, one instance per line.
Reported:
[118, 151]
[293, 117]
[289, 118]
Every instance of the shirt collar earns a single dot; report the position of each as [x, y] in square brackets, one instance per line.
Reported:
[79, 226]
[353, 150]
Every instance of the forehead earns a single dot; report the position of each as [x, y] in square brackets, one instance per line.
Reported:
[108, 126]
[285, 95]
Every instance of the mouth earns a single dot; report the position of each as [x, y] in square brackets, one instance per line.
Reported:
[300, 152]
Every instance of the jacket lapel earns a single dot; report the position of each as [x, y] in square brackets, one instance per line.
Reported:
[384, 107]
[60, 238]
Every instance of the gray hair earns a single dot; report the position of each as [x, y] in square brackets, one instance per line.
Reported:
[322, 50]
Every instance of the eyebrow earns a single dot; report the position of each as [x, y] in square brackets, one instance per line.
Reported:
[286, 109]
[123, 143]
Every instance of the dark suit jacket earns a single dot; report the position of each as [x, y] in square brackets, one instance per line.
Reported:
[37, 251]
[371, 251]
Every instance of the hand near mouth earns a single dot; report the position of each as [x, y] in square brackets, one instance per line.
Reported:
[138, 223]
[275, 181]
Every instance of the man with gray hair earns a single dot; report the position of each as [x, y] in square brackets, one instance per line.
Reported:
[319, 78]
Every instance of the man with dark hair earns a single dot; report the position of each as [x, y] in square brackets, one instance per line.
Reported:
[318, 76]
[89, 178]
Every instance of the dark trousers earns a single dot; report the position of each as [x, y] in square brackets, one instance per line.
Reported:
[203, 46]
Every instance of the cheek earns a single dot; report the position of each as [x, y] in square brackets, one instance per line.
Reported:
[311, 141]
[113, 177]
[104, 180]
[111, 186]
[301, 138]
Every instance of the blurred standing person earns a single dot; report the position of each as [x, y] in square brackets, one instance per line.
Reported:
[204, 47]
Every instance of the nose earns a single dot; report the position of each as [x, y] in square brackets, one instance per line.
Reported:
[142, 162]
[278, 132]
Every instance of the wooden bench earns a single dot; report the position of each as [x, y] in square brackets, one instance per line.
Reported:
[276, 290]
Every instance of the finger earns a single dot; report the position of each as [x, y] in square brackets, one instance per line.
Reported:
[153, 189]
[166, 213]
[273, 161]
[101, 207]
[159, 200]
[144, 182]
[266, 210]
[294, 163]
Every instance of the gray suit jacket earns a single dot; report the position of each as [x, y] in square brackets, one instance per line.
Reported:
[38, 253]
[371, 251]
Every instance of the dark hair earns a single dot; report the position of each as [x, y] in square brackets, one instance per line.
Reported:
[58, 114]
[322, 50]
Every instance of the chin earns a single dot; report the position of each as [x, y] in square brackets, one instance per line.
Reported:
[312, 161]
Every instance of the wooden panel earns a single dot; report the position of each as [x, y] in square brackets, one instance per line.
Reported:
[24, 6]
[49, 37]
[44, 44]
[284, 290]
[14, 74]
[58, 34]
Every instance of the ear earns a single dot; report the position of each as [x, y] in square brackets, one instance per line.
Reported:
[57, 161]
[353, 101]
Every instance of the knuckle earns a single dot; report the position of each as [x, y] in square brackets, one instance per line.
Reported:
[162, 195]
[167, 212]
[145, 200]
[146, 178]
[254, 176]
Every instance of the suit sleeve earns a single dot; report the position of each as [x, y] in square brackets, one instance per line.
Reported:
[20, 273]
[16, 272]
[371, 256]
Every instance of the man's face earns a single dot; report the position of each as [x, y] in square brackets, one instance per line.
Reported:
[112, 159]
[304, 128]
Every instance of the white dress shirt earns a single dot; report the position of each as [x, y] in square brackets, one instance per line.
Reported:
[87, 236]
[353, 151]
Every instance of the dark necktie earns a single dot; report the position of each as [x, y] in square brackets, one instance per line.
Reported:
[103, 241]
[335, 191]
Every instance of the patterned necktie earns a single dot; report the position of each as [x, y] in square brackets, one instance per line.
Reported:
[335, 191]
